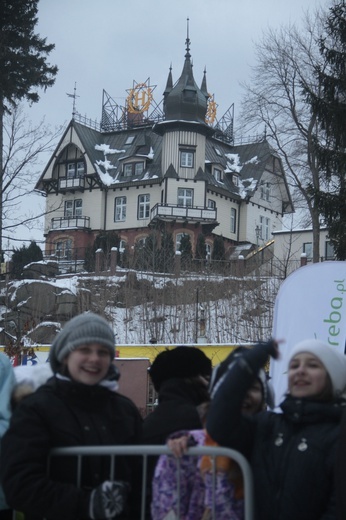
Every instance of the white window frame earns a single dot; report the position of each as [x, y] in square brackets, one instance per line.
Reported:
[73, 208]
[128, 168]
[265, 191]
[139, 168]
[329, 250]
[235, 179]
[217, 174]
[75, 169]
[80, 169]
[178, 238]
[185, 197]
[120, 209]
[71, 170]
[68, 208]
[78, 207]
[211, 204]
[307, 249]
[63, 249]
[143, 206]
[265, 228]
[122, 245]
[59, 249]
[187, 158]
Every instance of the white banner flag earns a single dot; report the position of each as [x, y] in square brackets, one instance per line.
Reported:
[311, 303]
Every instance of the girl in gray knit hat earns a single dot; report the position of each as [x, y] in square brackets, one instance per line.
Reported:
[78, 406]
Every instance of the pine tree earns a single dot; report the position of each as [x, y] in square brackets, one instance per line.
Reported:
[201, 249]
[151, 253]
[167, 252]
[24, 256]
[23, 64]
[330, 108]
[218, 252]
[105, 241]
[186, 251]
[23, 53]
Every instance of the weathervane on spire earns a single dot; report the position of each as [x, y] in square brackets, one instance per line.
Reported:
[187, 38]
[74, 96]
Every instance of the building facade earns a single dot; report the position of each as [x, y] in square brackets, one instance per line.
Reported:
[291, 245]
[171, 167]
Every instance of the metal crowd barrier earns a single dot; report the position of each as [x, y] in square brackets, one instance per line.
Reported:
[146, 451]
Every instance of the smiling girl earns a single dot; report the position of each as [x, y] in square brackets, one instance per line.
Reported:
[292, 453]
[78, 406]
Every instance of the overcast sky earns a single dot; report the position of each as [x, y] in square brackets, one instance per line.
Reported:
[108, 44]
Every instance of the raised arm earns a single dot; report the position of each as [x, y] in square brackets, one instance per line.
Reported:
[225, 422]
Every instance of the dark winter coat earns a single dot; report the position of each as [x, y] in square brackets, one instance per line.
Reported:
[59, 414]
[292, 454]
[340, 471]
[176, 410]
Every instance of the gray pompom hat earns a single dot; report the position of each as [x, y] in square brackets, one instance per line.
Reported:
[83, 329]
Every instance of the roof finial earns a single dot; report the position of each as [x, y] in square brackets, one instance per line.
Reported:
[74, 96]
[187, 39]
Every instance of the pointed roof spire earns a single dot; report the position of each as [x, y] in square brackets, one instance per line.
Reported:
[204, 83]
[187, 41]
[185, 101]
[169, 84]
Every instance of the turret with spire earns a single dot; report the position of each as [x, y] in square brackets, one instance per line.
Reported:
[186, 101]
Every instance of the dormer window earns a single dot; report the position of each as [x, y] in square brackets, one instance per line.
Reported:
[217, 174]
[128, 170]
[139, 167]
[133, 168]
[235, 179]
[187, 158]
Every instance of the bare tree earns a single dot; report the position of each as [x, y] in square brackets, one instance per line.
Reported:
[24, 146]
[286, 59]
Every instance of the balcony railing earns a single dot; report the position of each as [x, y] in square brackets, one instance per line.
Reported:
[175, 212]
[67, 183]
[70, 222]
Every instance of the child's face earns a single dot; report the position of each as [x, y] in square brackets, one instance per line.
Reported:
[253, 401]
[307, 376]
[88, 364]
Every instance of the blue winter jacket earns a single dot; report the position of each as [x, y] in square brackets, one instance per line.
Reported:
[7, 383]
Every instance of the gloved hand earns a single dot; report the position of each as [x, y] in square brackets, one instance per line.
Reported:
[270, 347]
[108, 499]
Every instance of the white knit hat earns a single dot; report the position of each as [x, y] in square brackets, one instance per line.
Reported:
[333, 361]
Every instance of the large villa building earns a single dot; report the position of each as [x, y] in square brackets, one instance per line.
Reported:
[171, 166]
